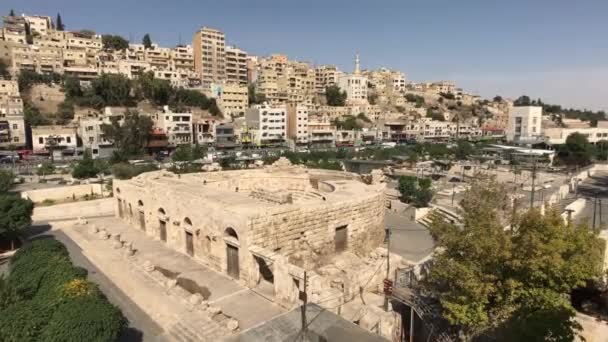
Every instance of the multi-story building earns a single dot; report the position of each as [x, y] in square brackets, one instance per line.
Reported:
[224, 136]
[524, 125]
[204, 129]
[209, 55]
[13, 29]
[12, 125]
[59, 140]
[236, 65]
[92, 137]
[271, 121]
[158, 57]
[182, 58]
[252, 69]
[297, 124]
[321, 132]
[176, 126]
[232, 98]
[39, 24]
[325, 76]
[355, 85]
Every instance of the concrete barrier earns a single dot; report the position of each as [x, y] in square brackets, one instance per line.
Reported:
[63, 193]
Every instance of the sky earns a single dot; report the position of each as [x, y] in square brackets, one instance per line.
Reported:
[556, 50]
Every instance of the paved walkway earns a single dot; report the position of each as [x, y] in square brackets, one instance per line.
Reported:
[173, 315]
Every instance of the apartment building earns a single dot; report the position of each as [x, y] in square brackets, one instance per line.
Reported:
[232, 98]
[39, 24]
[209, 55]
[297, 124]
[12, 124]
[225, 137]
[524, 124]
[355, 85]
[158, 57]
[61, 140]
[204, 129]
[386, 81]
[13, 29]
[92, 137]
[252, 69]
[321, 132]
[182, 58]
[271, 121]
[176, 126]
[236, 66]
[325, 76]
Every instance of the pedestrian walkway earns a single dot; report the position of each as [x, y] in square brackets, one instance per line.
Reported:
[177, 317]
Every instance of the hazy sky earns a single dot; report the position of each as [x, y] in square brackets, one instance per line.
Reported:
[553, 49]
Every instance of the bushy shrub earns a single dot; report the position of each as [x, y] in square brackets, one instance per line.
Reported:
[127, 171]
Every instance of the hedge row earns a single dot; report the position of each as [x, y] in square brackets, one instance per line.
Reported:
[47, 298]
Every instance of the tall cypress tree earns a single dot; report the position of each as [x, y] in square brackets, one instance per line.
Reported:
[59, 24]
[12, 14]
[147, 41]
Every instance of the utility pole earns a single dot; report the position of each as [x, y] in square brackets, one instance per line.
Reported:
[453, 193]
[305, 299]
[388, 266]
[594, 209]
[533, 184]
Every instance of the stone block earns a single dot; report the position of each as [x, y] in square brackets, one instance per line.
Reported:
[103, 234]
[195, 299]
[116, 244]
[214, 310]
[148, 266]
[170, 283]
[232, 324]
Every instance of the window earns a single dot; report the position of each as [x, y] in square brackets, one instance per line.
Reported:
[68, 139]
[41, 140]
[16, 139]
[15, 126]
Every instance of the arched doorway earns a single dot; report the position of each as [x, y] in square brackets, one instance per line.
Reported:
[121, 213]
[189, 236]
[142, 215]
[232, 253]
[162, 224]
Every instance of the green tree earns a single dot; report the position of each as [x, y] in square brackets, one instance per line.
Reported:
[71, 87]
[464, 149]
[497, 98]
[131, 137]
[523, 100]
[514, 282]
[114, 42]
[33, 116]
[59, 23]
[6, 181]
[45, 168]
[576, 151]
[146, 41]
[254, 97]
[363, 117]
[335, 96]
[86, 168]
[407, 187]
[15, 215]
[65, 112]
[11, 13]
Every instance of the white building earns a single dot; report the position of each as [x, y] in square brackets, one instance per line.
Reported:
[176, 126]
[558, 135]
[59, 139]
[297, 119]
[271, 121]
[355, 85]
[524, 125]
[39, 24]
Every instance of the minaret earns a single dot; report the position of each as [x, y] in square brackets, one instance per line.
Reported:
[357, 65]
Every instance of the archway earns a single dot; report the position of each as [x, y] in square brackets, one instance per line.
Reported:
[142, 215]
[189, 236]
[232, 253]
[162, 224]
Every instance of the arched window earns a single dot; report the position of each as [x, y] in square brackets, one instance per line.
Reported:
[117, 190]
[140, 203]
[161, 212]
[187, 223]
[229, 232]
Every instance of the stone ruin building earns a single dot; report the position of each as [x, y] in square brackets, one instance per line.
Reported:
[266, 228]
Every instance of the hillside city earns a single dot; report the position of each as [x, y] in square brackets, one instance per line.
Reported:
[201, 192]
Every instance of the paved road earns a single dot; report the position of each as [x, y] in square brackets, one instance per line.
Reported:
[409, 239]
[596, 186]
[141, 326]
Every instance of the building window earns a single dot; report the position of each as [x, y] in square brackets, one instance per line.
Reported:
[68, 139]
[15, 126]
[41, 140]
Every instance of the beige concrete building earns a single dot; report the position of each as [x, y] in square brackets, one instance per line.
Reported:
[233, 99]
[59, 139]
[209, 52]
[236, 66]
[176, 126]
[297, 124]
[13, 29]
[325, 76]
[39, 24]
[355, 85]
[182, 58]
[12, 124]
[264, 228]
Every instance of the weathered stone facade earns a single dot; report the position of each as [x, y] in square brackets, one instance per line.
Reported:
[263, 227]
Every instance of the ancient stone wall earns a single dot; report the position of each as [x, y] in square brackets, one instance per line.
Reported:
[307, 234]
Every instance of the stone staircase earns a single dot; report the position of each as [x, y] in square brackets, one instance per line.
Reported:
[190, 330]
[447, 214]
